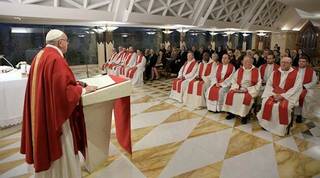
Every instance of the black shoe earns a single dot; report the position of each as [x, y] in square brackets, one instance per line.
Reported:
[299, 119]
[244, 120]
[230, 116]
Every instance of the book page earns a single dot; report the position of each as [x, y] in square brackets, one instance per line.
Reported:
[100, 81]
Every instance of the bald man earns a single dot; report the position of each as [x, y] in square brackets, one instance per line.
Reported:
[53, 128]
[281, 94]
[245, 86]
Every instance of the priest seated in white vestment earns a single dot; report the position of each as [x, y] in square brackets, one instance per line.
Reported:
[220, 84]
[279, 97]
[117, 61]
[127, 62]
[186, 73]
[245, 87]
[194, 96]
[309, 81]
[112, 58]
[265, 72]
[135, 73]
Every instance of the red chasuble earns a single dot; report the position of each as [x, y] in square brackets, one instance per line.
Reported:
[52, 96]
[176, 84]
[207, 72]
[247, 97]
[263, 69]
[133, 70]
[306, 79]
[214, 90]
[283, 105]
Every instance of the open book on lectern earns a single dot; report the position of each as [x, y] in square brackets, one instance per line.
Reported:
[101, 81]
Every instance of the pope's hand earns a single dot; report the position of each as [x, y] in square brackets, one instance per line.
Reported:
[90, 89]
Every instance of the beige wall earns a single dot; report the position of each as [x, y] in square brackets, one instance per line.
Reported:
[284, 40]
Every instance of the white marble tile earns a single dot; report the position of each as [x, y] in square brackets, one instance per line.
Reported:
[228, 122]
[13, 157]
[14, 145]
[214, 116]
[289, 143]
[120, 168]
[201, 112]
[313, 152]
[264, 135]
[198, 152]
[138, 108]
[16, 135]
[245, 127]
[151, 118]
[258, 163]
[167, 133]
[113, 150]
[19, 170]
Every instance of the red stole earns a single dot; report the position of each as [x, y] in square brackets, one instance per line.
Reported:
[283, 105]
[247, 97]
[128, 58]
[51, 98]
[176, 84]
[263, 69]
[214, 90]
[131, 71]
[200, 83]
[306, 79]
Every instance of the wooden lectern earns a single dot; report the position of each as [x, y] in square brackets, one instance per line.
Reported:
[97, 108]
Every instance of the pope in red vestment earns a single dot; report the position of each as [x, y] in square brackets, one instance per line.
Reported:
[53, 116]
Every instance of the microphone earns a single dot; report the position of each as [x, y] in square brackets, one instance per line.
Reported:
[2, 57]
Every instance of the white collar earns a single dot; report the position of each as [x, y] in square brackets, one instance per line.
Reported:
[59, 50]
[282, 71]
[248, 69]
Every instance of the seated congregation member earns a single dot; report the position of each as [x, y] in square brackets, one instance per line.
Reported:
[220, 84]
[245, 86]
[281, 94]
[128, 61]
[111, 59]
[265, 72]
[309, 81]
[117, 61]
[186, 73]
[135, 73]
[194, 96]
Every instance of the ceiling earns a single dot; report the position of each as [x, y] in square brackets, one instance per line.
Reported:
[213, 15]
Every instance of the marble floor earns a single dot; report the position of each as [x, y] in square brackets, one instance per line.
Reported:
[170, 140]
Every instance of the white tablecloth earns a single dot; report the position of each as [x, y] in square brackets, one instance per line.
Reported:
[12, 90]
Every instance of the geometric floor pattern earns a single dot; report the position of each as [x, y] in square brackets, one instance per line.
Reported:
[171, 140]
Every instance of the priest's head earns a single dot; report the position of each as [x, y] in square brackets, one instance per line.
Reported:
[190, 55]
[206, 56]
[303, 61]
[285, 63]
[131, 50]
[270, 58]
[225, 59]
[247, 62]
[58, 38]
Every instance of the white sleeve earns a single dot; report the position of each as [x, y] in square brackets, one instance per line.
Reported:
[254, 90]
[142, 63]
[313, 83]
[192, 73]
[227, 81]
[181, 71]
[268, 90]
[296, 89]
[233, 81]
